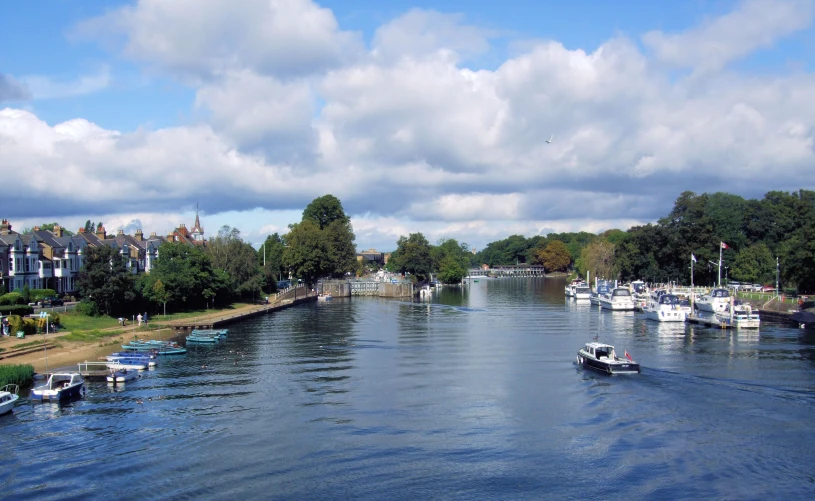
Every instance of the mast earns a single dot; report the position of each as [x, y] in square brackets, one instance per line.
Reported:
[720, 265]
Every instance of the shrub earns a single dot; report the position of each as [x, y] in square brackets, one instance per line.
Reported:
[87, 308]
[17, 309]
[18, 323]
[12, 298]
[37, 294]
[16, 374]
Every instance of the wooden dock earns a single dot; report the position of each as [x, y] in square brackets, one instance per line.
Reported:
[710, 322]
[93, 370]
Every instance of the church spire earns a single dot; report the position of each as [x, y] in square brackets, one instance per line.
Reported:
[197, 231]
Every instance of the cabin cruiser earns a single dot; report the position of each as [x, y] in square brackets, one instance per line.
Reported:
[602, 290]
[60, 386]
[742, 316]
[619, 299]
[582, 291]
[714, 301]
[8, 397]
[665, 308]
[601, 357]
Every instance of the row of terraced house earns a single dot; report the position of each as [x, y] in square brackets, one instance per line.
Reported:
[52, 259]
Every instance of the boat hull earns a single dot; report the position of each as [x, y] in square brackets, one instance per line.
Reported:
[665, 315]
[57, 395]
[616, 305]
[8, 398]
[610, 367]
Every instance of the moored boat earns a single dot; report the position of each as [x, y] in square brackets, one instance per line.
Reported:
[618, 300]
[204, 339]
[716, 300]
[602, 357]
[122, 375]
[582, 291]
[665, 308]
[9, 395]
[742, 317]
[60, 386]
[326, 296]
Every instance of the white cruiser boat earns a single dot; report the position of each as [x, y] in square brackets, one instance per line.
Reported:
[743, 317]
[8, 397]
[619, 299]
[601, 357]
[602, 290]
[717, 300]
[582, 291]
[665, 308]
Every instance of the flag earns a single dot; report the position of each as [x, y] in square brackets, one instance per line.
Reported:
[628, 356]
[724, 246]
[693, 258]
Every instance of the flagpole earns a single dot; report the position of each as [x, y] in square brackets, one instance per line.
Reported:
[720, 265]
[691, 282]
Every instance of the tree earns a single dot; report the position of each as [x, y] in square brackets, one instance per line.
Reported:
[342, 253]
[412, 255]
[106, 281]
[271, 258]
[307, 255]
[48, 227]
[158, 294]
[325, 210]
[450, 260]
[555, 256]
[451, 270]
[188, 276]
[238, 259]
[598, 258]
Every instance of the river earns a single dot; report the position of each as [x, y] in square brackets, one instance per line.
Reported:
[473, 395]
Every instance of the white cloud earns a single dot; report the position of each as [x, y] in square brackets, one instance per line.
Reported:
[200, 39]
[43, 87]
[409, 139]
[753, 25]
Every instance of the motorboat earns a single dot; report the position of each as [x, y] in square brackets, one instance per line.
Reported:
[203, 338]
[60, 386]
[665, 308]
[602, 357]
[742, 317]
[582, 291]
[146, 358]
[9, 395]
[716, 300]
[219, 333]
[570, 288]
[155, 346]
[619, 299]
[127, 363]
[122, 375]
[326, 296]
[602, 290]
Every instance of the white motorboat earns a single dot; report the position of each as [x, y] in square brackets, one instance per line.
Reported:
[602, 290]
[582, 291]
[665, 308]
[601, 357]
[120, 363]
[8, 397]
[717, 300]
[742, 317]
[122, 375]
[60, 386]
[324, 296]
[619, 299]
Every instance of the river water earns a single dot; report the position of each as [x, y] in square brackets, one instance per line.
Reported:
[473, 395]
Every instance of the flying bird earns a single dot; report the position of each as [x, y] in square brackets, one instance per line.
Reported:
[550, 139]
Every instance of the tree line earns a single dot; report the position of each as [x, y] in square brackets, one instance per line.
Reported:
[775, 233]
[226, 269]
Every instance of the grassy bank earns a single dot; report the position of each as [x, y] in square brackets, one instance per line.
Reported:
[16, 374]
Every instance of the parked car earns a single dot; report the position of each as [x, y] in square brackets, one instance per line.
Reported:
[768, 288]
[51, 301]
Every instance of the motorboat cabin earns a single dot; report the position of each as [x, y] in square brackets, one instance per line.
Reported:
[665, 308]
[714, 301]
[601, 357]
[620, 299]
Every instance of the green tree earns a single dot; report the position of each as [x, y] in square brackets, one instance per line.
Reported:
[754, 264]
[555, 256]
[238, 259]
[308, 254]
[412, 256]
[598, 258]
[158, 294]
[325, 210]
[106, 281]
[342, 253]
[188, 277]
[271, 258]
[451, 260]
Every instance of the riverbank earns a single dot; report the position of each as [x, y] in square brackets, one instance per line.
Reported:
[62, 353]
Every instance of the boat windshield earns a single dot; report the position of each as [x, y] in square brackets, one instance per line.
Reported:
[719, 293]
[584, 290]
[621, 292]
[668, 299]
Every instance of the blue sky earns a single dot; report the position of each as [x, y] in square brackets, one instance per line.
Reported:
[420, 116]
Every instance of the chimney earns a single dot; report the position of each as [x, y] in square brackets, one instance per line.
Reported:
[101, 233]
[5, 227]
[139, 235]
[57, 231]
[36, 228]
[120, 232]
[81, 230]
[153, 234]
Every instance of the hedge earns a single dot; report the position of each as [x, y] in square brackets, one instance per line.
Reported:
[11, 298]
[16, 309]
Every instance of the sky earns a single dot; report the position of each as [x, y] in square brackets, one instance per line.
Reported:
[419, 116]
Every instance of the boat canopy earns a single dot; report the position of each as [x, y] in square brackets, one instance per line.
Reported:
[621, 291]
[719, 293]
